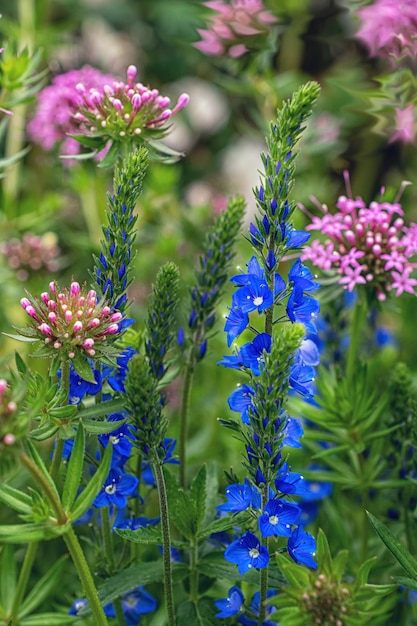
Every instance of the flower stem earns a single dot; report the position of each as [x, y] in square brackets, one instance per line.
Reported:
[23, 580]
[359, 316]
[185, 409]
[166, 541]
[263, 574]
[86, 577]
[59, 444]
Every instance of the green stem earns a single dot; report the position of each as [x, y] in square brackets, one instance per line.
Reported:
[185, 409]
[107, 539]
[193, 573]
[166, 541]
[59, 444]
[118, 609]
[359, 316]
[86, 577]
[46, 487]
[263, 574]
[23, 580]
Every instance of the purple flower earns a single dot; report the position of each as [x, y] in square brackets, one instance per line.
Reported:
[247, 552]
[302, 547]
[277, 518]
[240, 400]
[290, 482]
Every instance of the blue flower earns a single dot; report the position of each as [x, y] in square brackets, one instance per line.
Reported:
[277, 518]
[292, 431]
[254, 609]
[241, 497]
[301, 277]
[79, 387]
[290, 482]
[134, 604]
[252, 353]
[236, 322]
[116, 489]
[302, 308]
[122, 444]
[255, 295]
[302, 547]
[247, 552]
[240, 400]
[232, 604]
[116, 376]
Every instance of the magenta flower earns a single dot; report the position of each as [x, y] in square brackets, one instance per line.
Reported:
[368, 246]
[120, 113]
[72, 323]
[232, 31]
[404, 124]
[57, 105]
[389, 27]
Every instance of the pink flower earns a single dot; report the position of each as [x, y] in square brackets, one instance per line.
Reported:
[389, 27]
[234, 28]
[404, 124]
[366, 245]
[57, 104]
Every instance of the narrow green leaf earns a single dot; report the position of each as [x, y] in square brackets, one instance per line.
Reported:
[43, 588]
[90, 141]
[212, 494]
[20, 364]
[25, 533]
[63, 412]
[74, 470]
[44, 432]
[101, 409]
[407, 582]
[51, 619]
[15, 499]
[87, 496]
[8, 577]
[394, 546]
[361, 577]
[221, 524]
[111, 156]
[83, 368]
[95, 427]
[144, 534]
[36, 458]
[21, 338]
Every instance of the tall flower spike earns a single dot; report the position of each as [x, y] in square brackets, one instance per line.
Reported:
[113, 268]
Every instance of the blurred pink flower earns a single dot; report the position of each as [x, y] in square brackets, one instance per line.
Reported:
[233, 27]
[404, 124]
[57, 105]
[389, 27]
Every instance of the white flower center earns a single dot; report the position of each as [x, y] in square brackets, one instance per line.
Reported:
[253, 553]
[273, 519]
[258, 301]
[110, 489]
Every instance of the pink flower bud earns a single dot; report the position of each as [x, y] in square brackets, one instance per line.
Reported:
[52, 317]
[105, 310]
[45, 329]
[131, 73]
[52, 287]
[3, 385]
[57, 345]
[136, 102]
[91, 352]
[182, 102]
[116, 317]
[71, 354]
[11, 406]
[94, 323]
[117, 104]
[88, 343]
[45, 297]
[9, 439]
[80, 88]
[78, 327]
[112, 329]
[68, 315]
[75, 289]
[25, 303]
[31, 311]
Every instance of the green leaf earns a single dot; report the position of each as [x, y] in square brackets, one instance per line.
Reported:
[407, 582]
[30, 339]
[182, 510]
[296, 576]
[44, 432]
[212, 488]
[324, 556]
[87, 496]
[90, 141]
[198, 494]
[111, 156]
[83, 368]
[214, 565]
[36, 458]
[394, 546]
[224, 523]
[200, 614]
[144, 534]
[8, 577]
[95, 427]
[20, 364]
[25, 533]
[362, 575]
[51, 619]
[63, 412]
[101, 409]
[15, 499]
[43, 588]
[74, 470]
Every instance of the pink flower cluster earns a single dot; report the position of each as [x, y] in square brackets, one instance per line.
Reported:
[7, 415]
[30, 254]
[231, 29]
[72, 320]
[389, 27]
[366, 246]
[119, 109]
[58, 103]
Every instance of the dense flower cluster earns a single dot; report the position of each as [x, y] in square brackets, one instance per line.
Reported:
[72, 320]
[389, 27]
[234, 27]
[366, 245]
[30, 254]
[118, 110]
[58, 103]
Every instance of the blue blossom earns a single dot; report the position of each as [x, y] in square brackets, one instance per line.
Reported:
[241, 497]
[292, 431]
[116, 376]
[277, 518]
[255, 295]
[252, 353]
[79, 387]
[236, 322]
[232, 604]
[254, 609]
[301, 276]
[134, 604]
[302, 308]
[133, 523]
[240, 400]
[120, 438]
[301, 547]
[290, 482]
[247, 552]
[117, 487]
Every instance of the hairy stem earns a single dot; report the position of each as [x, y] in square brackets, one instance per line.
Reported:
[185, 409]
[166, 541]
[23, 580]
